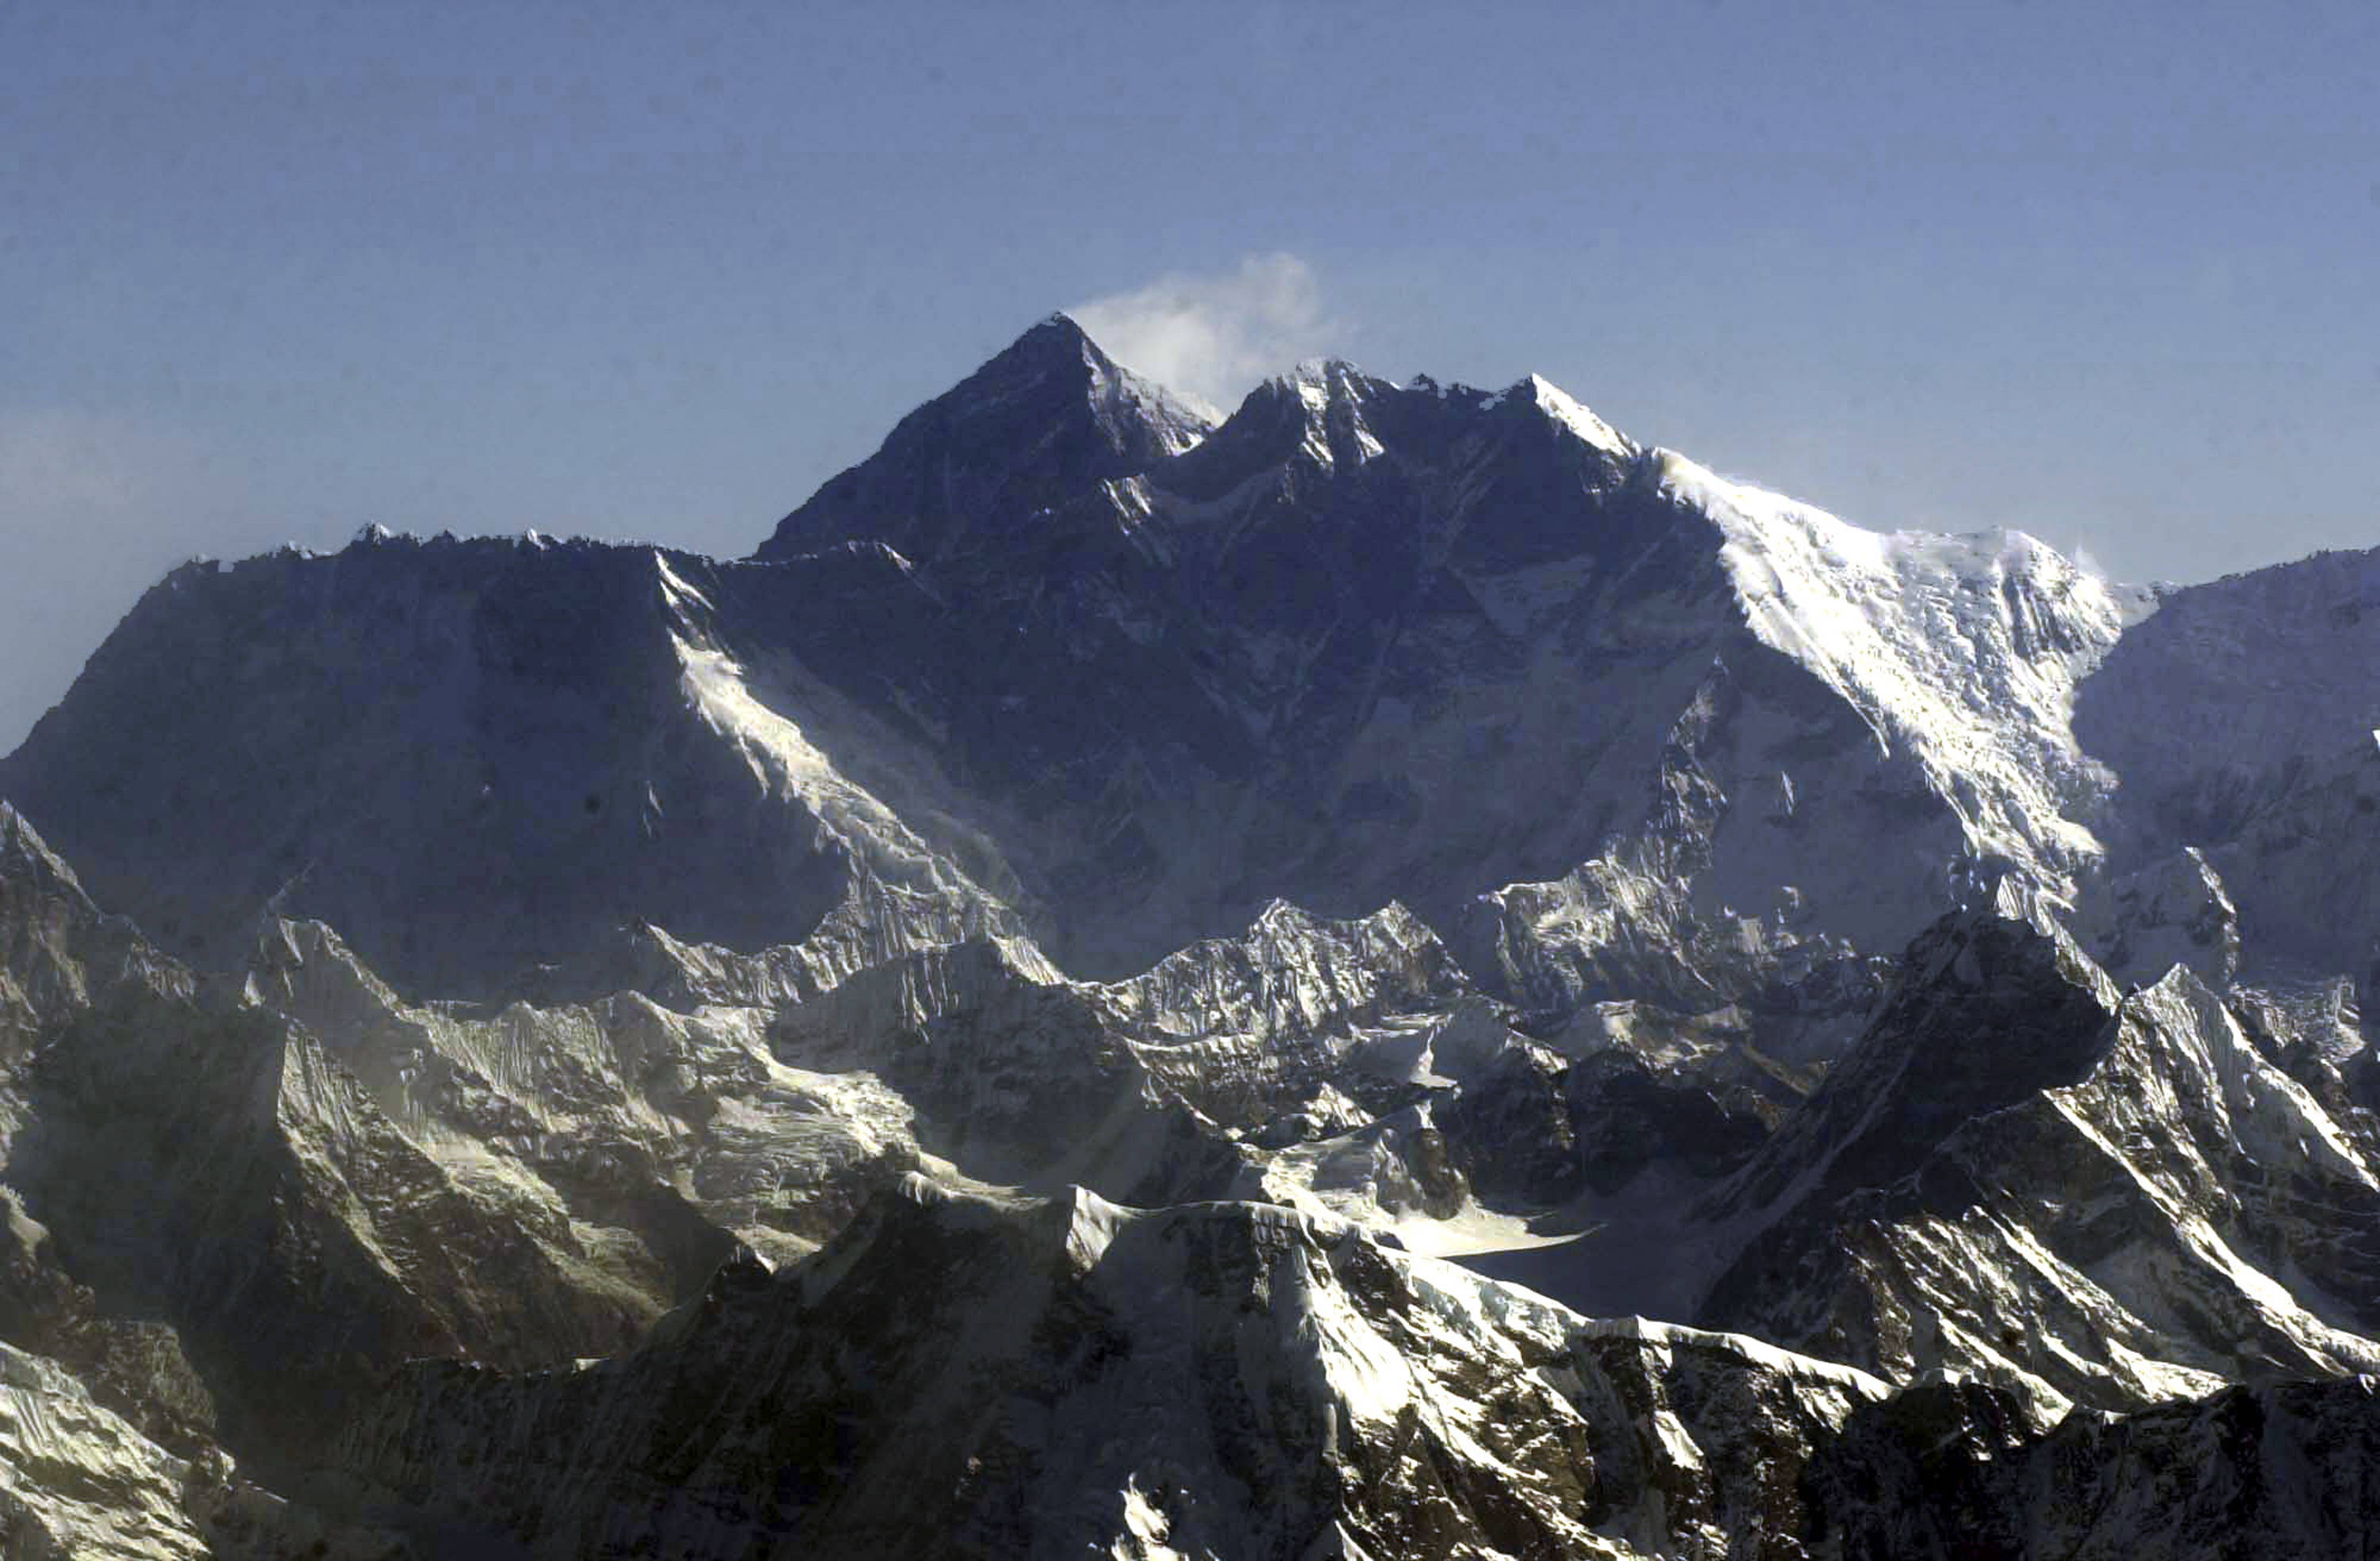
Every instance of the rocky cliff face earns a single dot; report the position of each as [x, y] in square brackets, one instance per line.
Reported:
[2248, 1472]
[970, 1376]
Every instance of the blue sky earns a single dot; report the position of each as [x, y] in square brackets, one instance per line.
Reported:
[2102, 273]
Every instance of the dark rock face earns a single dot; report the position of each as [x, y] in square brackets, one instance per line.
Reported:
[1035, 427]
[1912, 1476]
[1628, 1117]
[2248, 1473]
[1067, 656]
[1014, 1359]
[2246, 673]
[136, 1369]
[960, 1378]
[1512, 1132]
[1985, 1012]
[472, 757]
[1266, 617]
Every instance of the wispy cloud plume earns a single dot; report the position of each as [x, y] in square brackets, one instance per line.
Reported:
[1214, 336]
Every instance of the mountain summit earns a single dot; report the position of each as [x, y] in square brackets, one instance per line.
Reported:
[1031, 428]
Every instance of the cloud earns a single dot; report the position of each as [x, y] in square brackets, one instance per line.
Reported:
[1214, 336]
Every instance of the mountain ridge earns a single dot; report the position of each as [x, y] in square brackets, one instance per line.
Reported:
[1315, 606]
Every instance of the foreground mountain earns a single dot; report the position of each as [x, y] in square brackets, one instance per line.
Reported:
[1073, 1379]
[967, 1376]
[2026, 1176]
[535, 1037]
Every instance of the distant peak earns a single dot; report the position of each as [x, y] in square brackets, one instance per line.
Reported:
[25, 856]
[1328, 371]
[1032, 427]
[1055, 340]
[1325, 383]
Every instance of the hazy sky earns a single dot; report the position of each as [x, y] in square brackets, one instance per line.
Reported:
[2103, 272]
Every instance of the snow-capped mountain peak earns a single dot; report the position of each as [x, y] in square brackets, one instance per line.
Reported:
[1045, 417]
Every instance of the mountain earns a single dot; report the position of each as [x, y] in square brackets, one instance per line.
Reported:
[2246, 1473]
[1362, 643]
[1056, 1007]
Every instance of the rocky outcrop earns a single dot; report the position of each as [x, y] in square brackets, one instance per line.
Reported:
[2021, 1175]
[83, 1484]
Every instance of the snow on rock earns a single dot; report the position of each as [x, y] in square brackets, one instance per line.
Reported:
[1059, 668]
[2173, 912]
[599, 1109]
[1105, 882]
[784, 762]
[2022, 1176]
[79, 1483]
[1226, 1379]
[1966, 651]
[2236, 719]
[291, 1235]
[1046, 416]
[1559, 404]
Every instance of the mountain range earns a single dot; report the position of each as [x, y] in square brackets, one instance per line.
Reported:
[1395, 975]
